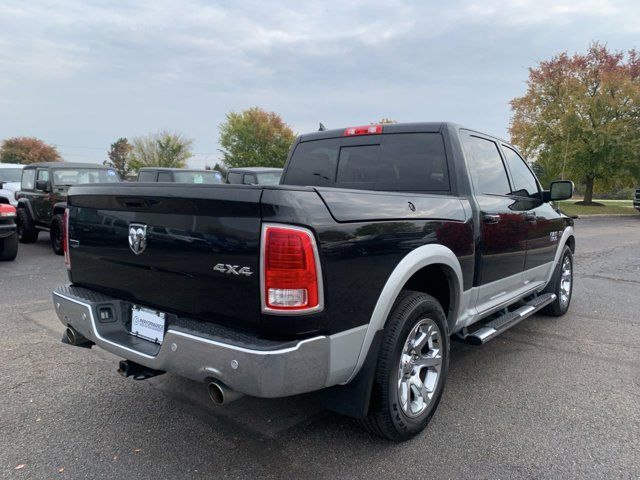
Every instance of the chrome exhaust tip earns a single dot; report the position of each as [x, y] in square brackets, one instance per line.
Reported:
[71, 335]
[75, 338]
[220, 394]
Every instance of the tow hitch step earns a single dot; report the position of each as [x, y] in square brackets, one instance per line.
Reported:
[505, 322]
[127, 368]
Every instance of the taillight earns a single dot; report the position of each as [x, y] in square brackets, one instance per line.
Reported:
[7, 210]
[365, 130]
[291, 277]
[65, 238]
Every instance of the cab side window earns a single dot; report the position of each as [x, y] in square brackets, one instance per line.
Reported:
[28, 179]
[249, 179]
[485, 165]
[147, 176]
[234, 177]
[524, 183]
[164, 177]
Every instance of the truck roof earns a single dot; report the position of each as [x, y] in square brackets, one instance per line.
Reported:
[387, 128]
[67, 165]
[174, 169]
[409, 127]
[255, 169]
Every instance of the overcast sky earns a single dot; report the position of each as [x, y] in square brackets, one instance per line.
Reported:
[80, 74]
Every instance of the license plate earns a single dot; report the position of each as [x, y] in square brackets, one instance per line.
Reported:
[147, 324]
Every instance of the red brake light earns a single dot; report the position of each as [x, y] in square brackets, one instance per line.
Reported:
[7, 210]
[291, 278]
[65, 238]
[365, 130]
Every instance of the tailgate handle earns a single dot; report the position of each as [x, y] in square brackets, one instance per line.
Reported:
[132, 202]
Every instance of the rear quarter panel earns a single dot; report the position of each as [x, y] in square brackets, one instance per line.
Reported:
[358, 257]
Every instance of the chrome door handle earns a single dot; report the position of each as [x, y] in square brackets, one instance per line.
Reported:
[530, 216]
[491, 218]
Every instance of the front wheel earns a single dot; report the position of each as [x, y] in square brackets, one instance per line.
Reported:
[55, 232]
[412, 368]
[561, 284]
[27, 231]
[9, 247]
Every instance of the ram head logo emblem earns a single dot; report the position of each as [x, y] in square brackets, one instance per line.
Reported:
[137, 237]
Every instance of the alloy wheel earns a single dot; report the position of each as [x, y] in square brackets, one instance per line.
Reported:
[419, 368]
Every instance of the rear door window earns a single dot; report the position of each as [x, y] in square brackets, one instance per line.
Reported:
[395, 162]
[485, 165]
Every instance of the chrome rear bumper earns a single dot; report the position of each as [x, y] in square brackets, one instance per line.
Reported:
[266, 369]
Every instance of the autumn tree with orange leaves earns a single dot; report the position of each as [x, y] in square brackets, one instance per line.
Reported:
[580, 117]
[27, 150]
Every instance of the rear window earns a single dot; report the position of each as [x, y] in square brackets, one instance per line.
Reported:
[208, 177]
[10, 174]
[393, 162]
[84, 175]
[269, 178]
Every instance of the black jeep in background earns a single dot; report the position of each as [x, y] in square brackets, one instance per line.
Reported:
[179, 175]
[43, 196]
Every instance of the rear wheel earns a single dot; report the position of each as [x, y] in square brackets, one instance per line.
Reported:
[561, 284]
[412, 367]
[9, 248]
[27, 231]
[55, 233]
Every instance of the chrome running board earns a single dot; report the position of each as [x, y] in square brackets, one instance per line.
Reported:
[505, 322]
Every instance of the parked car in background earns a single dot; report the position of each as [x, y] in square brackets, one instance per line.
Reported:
[254, 176]
[42, 197]
[8, 235]
[636, 199]
[179, 175]
[10, 174]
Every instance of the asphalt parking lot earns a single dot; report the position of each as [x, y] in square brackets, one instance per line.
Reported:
[550, 398]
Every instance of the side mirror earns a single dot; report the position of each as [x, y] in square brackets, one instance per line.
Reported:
[560, 190]
[42, 185]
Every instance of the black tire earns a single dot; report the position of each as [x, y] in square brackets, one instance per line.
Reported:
[9, 248]
[560, 305]
[387, 417]
[27, 231]
[55, 232]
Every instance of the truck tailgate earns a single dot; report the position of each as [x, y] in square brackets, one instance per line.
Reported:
[189, 230]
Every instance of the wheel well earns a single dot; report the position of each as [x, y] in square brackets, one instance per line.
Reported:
[571, 241]
[435, 280]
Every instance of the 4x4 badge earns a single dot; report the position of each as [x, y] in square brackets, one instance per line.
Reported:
[234, 269]
[137, 237]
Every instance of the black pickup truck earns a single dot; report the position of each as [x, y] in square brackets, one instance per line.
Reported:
[349, 278]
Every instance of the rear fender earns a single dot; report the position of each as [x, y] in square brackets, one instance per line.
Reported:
[419, 258]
